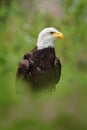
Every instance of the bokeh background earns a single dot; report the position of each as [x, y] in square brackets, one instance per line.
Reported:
[20, 23]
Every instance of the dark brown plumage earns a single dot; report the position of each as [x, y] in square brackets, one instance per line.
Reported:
[41, 69]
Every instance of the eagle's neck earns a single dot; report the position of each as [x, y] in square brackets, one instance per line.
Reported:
[44, 44]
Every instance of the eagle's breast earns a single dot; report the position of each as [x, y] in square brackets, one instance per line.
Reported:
[42, 60]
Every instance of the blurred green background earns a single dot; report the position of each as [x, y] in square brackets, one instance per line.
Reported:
[20, 23]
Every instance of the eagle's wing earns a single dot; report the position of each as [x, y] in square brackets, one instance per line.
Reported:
[57, 65]
[23, 67]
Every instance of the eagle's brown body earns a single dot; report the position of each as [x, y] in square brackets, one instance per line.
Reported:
[40, 68]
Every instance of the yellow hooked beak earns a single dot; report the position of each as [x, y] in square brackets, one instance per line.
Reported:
[58, 35]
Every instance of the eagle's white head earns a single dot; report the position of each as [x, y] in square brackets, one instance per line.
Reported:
[47, 37]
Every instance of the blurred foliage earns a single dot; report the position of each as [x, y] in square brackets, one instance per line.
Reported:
[66, 108]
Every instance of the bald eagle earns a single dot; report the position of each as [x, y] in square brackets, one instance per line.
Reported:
[40, 68]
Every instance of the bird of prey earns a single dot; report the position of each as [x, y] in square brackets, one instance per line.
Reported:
[40, 68]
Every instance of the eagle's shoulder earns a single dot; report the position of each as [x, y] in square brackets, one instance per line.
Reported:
[29, 54]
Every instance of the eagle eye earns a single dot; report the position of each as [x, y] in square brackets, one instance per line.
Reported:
[51, 32]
